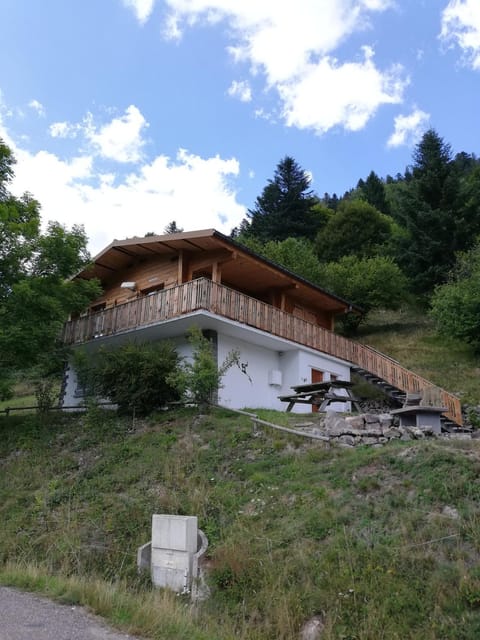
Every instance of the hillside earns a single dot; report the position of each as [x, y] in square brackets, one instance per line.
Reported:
[381, 543]
[409, 336]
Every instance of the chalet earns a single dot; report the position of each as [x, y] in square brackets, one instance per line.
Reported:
[156, 287]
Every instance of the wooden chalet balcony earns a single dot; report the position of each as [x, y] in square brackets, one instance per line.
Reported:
[203, 294]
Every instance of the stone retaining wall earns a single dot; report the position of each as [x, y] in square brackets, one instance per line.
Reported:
[366, 429]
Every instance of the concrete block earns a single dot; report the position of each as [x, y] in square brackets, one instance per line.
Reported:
[174, 532]
[144, 557]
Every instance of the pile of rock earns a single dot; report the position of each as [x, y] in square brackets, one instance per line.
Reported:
[364, 429]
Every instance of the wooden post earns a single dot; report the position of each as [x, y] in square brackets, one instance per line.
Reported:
[216, 272]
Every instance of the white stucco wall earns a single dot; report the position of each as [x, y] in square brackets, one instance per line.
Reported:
[260, 357]
[255, 390]
[250, 389]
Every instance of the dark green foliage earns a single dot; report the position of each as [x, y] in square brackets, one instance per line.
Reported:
[295, 254]
[134, 376]
[60, 253]
[284, 209]
[456, 305]
[433, 209]
[35, 297]
[356, 229]
[371, 283]
[372, 190]
[172, 228]
[330, 201]
[19, 229]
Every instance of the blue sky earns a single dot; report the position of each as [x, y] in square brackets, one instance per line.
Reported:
[127, 114]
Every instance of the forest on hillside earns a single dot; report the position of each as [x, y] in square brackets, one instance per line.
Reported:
[408, 239]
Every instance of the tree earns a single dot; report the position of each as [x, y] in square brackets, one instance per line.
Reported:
[370, 283]
[285, 207]
[35, 295]
[356, 229]
[372, 190]
[295, 254]
[433, 210]
[172, 228]
[455, 306]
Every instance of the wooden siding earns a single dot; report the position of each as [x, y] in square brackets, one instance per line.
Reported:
[228, 303]
[146, 274]
[168, 271]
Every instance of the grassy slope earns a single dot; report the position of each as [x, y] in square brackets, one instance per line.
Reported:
[410, 338]
[359, 536]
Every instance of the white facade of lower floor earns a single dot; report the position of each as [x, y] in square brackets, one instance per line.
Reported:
[269, 366]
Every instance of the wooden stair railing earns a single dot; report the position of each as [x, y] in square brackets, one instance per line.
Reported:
[203, 294]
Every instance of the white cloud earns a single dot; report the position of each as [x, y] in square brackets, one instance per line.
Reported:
[63, 130]
[194, 191]
[121, 139]
[141, 8]
[461, 27]
[355, 91]
[292, 44]
[240, 90]
[408, 129]
[38, 107]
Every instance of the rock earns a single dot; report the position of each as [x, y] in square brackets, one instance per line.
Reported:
[373, 429]
[427, 430]
[415, 432]
[392, 432]
[450, 512]
[348, 440]
[356, 422]
[385, 419]
[459, 436]
[369, 440]
[370, 418]
[312, 629]
[336, 425]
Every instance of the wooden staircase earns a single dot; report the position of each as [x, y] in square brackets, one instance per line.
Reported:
[400, 396]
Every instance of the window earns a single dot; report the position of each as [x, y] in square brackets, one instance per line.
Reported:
[149, 291]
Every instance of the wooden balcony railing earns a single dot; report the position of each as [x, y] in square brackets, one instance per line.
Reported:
[228, 303]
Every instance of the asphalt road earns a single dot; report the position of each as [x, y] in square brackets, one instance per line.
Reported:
[24, 616]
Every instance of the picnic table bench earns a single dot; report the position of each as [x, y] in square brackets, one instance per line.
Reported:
[321, 394]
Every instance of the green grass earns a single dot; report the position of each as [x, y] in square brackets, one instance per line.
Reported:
[23, 397]
[295, 529]
[410, 337]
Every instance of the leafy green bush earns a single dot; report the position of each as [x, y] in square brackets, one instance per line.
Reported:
[134, 376]
[356, 229]
[456, 305]
[201, 378]
[371, 283]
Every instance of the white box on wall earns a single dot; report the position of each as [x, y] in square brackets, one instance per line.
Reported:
[275, 377]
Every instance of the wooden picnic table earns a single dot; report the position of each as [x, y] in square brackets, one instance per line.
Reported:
[321, 394]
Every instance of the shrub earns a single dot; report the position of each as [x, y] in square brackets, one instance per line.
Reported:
[134, 376]
[201, 378]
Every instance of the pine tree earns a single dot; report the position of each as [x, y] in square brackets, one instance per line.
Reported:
[432, 211]
[284, 209]
[373, 191]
